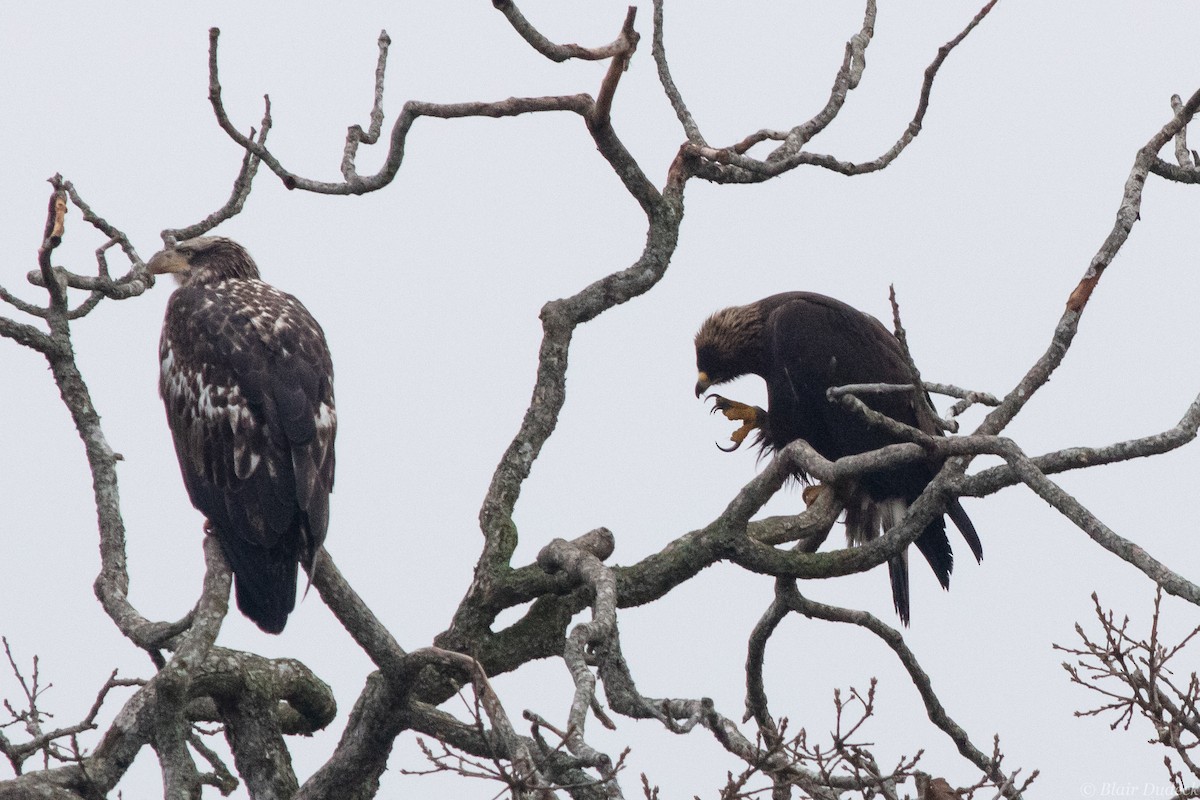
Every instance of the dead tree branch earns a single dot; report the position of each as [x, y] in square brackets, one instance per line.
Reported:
[31, 717]
[733, 165]
[893, 639]
[1136, 676]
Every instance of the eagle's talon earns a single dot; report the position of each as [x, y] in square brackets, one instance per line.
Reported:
[734, 411]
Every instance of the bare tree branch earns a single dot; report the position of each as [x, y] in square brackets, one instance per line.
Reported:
[1068, 324]
[355, 134]
[893, 639]
[1133, 676]
[558, 52]
[658, 49]
[241, 188]
[48, 743]
[732, 165]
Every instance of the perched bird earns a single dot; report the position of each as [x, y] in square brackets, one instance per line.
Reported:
[247, 382]
[803, 344]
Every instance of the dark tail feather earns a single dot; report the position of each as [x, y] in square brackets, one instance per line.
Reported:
[267, 600]
[898, 571]
[934, 545]
[963, 523]
[264, 582]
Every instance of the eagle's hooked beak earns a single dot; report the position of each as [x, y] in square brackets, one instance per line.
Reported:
[165, 261]
[702, 383]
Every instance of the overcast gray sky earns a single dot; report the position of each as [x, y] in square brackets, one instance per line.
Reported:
[429, 292]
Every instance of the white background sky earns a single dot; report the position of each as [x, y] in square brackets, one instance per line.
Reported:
[429, 292]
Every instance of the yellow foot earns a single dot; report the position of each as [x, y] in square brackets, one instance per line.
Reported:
[751, 417]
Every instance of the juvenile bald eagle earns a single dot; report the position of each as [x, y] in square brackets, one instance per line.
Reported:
[802, 344]
[248, 386]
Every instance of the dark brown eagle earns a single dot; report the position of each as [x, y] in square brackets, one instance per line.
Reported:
[247, 382]
[803, 344]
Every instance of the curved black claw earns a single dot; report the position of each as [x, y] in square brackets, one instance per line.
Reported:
[751, 417]
[720, 403]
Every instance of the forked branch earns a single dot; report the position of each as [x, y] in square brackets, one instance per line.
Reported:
[733, 165]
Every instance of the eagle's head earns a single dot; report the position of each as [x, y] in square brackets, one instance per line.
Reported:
[205, 259]
[728, 345]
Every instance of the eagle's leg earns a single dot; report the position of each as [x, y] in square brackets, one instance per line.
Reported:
[751, 417]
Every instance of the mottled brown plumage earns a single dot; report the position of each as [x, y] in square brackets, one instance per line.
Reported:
[802, 344]
[247, 382]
